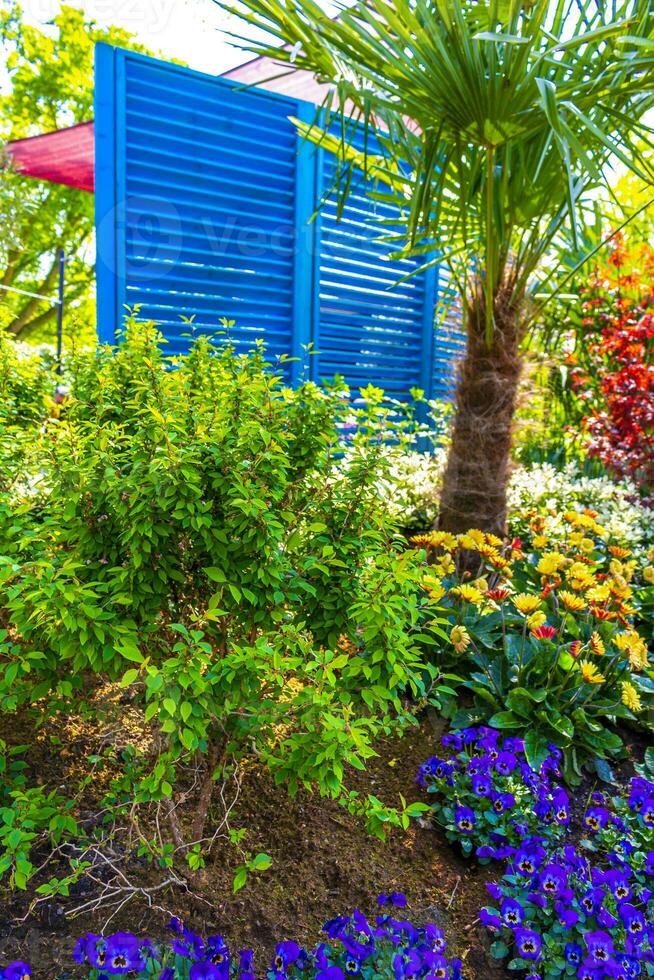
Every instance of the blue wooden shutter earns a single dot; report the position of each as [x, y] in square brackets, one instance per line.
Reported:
[204, 192]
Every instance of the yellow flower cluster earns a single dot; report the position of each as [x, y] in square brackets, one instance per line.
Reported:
[582, 576]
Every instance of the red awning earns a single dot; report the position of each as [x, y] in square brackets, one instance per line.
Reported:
[66, 156]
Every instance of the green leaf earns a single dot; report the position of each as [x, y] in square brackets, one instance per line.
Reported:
[129, 650]
[536, 749]
[505, 719]
[240, 878]
[261, 862]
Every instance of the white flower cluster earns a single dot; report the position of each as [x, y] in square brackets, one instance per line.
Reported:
[412, 485]
[545, 488]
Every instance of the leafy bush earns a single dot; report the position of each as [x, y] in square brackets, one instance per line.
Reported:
[386, 948]
[489, 797]
[27, 384]
[29, 817]
[559, 915]
[615, 376]
[544, 638]
[202, 545]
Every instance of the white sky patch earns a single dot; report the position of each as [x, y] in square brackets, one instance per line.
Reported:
[189, 30]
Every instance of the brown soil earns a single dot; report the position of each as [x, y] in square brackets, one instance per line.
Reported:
[324, 864]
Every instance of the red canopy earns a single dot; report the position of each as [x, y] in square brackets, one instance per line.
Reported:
[66, 156]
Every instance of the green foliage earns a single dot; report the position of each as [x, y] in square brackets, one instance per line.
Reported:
[507, 98]
[204, 544]
[29, 817]
[50, 87]
[26, 386]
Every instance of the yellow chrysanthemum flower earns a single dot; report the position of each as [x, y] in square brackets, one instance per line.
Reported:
[435, 539]
[434, 589]
[481, 584]
[587, 545]
[540, 541]
[648, 574]
[550, 563]
[630, 697]
[598, 593]
[633, 645]
[573, 602]
[460, 638]
[536, 619]
[638, 657]
[421, 540]
[469, 594]
[471, 539]
[488, 551]
[493, 540]
[445, 565]
[501, 564]
[590, 673]
[597, 644]
[579, 577]
[526, 604]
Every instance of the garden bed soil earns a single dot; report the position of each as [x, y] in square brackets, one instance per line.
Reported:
[324, 864]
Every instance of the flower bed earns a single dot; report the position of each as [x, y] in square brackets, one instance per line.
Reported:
[384, 947]
[489, 797]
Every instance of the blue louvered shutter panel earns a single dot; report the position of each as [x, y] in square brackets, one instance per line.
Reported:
[205, 205]
[369, 328]
[204, 195]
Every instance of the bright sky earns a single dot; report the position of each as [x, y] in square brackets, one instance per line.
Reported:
[189, 30]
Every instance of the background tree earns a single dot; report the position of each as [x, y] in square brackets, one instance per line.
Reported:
[495, 121]
[49, 86]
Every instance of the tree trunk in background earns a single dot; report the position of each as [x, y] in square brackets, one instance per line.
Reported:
[476, 475]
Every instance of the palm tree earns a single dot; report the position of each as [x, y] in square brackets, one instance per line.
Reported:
[495, 122]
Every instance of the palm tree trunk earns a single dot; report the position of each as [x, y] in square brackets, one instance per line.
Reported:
[473, 493]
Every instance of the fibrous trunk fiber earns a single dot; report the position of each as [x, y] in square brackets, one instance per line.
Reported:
[474, 487]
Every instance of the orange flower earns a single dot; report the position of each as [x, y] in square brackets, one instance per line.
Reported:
[498, 595]
[617, 552]
[597, 644]
[571, 601]
[602, 614]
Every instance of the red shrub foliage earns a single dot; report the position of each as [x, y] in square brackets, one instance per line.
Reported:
[617, 378]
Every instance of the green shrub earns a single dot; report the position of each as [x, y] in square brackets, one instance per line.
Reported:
[202, 544]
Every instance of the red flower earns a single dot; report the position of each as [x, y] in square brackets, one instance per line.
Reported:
[543, 633]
